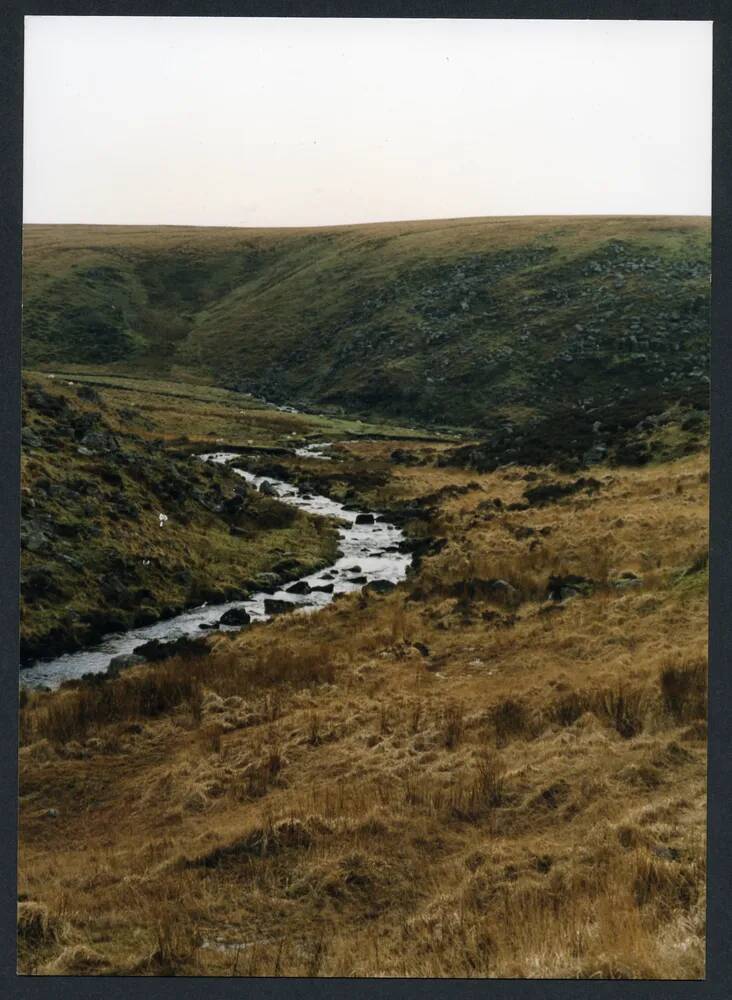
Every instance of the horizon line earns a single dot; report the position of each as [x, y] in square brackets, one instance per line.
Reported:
[382, 222]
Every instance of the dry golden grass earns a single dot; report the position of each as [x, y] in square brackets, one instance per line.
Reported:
[523, 796]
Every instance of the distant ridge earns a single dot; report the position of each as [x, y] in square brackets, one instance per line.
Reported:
[461, 322]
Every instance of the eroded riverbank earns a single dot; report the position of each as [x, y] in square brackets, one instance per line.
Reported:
[370, 552]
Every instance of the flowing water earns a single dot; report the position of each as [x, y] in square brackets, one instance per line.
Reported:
[369, 552]
[315, 451]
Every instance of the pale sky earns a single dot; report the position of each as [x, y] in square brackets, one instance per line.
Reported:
[288, 122]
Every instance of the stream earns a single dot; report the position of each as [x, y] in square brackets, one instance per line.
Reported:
[369, 552]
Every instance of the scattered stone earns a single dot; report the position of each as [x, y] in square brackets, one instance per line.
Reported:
[35, 540]
[232, 505]
[235, 616]
[562, 588]
[290, 565]
[123, 662]
[155, 650]
[29, 439]
[276, 607]
[595, 455]
[89, 394]
[505, 590]
[551, 492]
[99, 441]
[400, 456]
[46, 402]
[478, 589]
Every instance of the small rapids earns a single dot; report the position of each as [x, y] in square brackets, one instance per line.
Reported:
[315, 451]
[370, 551]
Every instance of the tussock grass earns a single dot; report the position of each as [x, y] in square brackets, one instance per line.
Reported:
[684, 688]
[472, 799]
[525, 799]
[36, 926]
[452, 725]
[76, 960]
[148, 694]
[509, 718]
[176, 941]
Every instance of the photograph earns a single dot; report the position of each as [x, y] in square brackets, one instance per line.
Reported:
[364, 590]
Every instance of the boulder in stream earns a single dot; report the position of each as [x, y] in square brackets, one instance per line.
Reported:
[235, 616]
[380, 586]
[275, 607]
[156, 650]
[364, 519]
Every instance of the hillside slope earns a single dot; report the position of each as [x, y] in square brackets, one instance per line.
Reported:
[95, 477]
[458, 322]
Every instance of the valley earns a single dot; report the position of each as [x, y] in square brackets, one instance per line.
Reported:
[477, 323]
[482, 754]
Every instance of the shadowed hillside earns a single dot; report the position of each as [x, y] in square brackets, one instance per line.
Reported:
[97, 470]
[472, 322]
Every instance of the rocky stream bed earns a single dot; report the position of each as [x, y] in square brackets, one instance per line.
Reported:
[371, 554]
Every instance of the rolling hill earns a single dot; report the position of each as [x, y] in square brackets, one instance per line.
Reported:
[467, 322]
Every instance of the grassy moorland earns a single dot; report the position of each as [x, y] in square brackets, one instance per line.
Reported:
[458, 778]
[462, 322]
[182, 412]
[495, 769]
[100, 464]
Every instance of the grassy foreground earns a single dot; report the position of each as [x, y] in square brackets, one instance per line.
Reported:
[458, 778]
